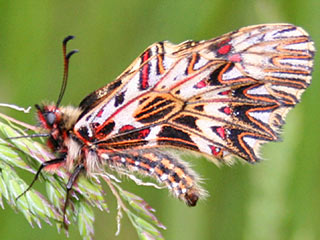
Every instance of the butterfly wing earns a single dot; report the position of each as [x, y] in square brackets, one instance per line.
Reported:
[220, 97]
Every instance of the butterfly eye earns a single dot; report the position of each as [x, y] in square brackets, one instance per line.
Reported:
[51, 118]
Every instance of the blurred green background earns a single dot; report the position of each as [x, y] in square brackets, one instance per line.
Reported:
[278, 198]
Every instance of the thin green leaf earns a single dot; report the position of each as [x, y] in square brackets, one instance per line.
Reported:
[27, 154]
[141, 206]
[145, 229]
[93, 192]
[85, 221]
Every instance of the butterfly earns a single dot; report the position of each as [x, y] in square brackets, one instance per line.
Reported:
[221, 98]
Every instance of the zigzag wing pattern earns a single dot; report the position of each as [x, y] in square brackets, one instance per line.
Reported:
[222, 97]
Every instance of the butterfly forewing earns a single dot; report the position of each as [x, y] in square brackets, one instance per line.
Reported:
[220, 97]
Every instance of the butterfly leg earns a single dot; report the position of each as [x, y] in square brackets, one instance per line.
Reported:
[73, 178]
[43, 165]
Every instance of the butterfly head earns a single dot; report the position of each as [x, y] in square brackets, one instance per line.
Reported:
[49, 116]
[50, 120]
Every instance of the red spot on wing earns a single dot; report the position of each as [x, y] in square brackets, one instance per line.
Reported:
[145, 77]
[224, 49]
[100, 113]
[143, 133]
[201, 84]
[145, 71]
[215, 150]
[126, 128]
[227, 110]
[235, 58]
[145, 56]
[221, 131]
[225, 92]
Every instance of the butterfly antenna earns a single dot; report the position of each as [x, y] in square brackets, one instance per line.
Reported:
[66, 57]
